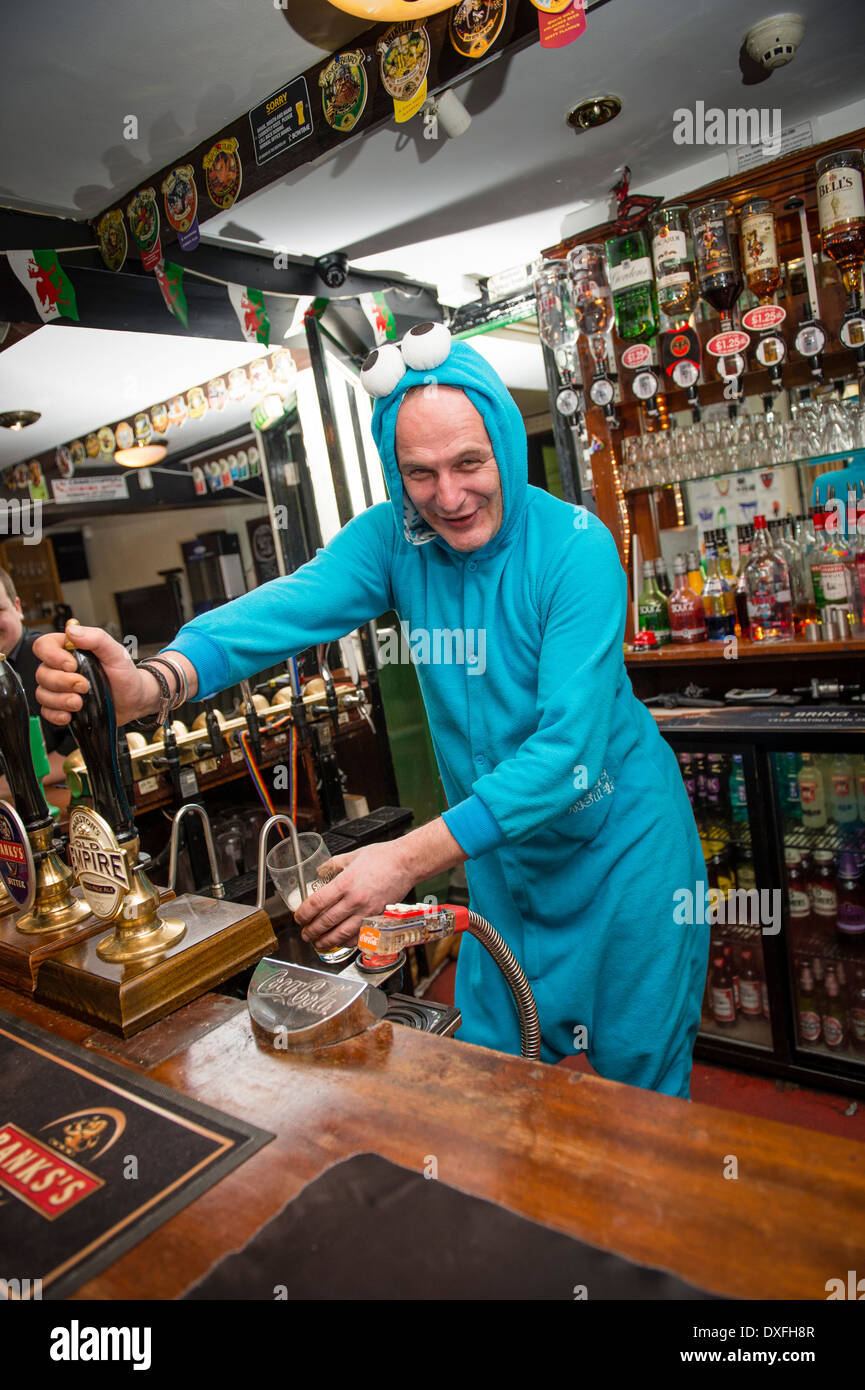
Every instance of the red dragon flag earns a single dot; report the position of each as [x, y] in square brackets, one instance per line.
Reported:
[50, 288]
[251, 314]
[169, 278]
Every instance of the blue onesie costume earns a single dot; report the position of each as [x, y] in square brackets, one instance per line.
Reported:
[561, 791]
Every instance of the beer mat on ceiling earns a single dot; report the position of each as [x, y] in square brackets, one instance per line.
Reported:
[369, 1229]
[93, 1157]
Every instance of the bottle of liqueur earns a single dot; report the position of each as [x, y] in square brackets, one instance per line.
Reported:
[767, 588]
[833, 571]
[745, 536]
[841, 209]
[724, 561]
[687, 620]
[695, 573]
[716, 248]
[633, 286]
[661, 576]
[652, 607]
[673, 256]
[719, 604]
[759, 249]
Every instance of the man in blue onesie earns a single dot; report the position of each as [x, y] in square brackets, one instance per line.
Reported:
[563, 797]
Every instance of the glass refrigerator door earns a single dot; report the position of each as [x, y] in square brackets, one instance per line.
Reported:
[821, 798]
[736, 1001]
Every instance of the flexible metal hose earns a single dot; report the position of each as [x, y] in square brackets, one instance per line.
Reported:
[530, 1028]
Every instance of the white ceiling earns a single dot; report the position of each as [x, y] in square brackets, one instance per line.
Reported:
[82, 378]
[72, 73]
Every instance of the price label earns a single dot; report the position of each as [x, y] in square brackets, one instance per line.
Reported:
[208, 765]
[235, 755]
[148, 785]
[763, 318]
[725, 344]
[639, 355]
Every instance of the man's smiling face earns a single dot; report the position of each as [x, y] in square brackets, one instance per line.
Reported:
[447, 466]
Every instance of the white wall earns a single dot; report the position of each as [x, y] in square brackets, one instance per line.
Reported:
[127, 552]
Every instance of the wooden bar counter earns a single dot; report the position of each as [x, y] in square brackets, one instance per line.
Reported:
[626, 1170]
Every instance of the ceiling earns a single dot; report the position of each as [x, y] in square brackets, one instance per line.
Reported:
[445, 211]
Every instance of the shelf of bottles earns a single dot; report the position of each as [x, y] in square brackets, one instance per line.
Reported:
[793, 576]
[822, 804]
[635, 304]
[735, 1000]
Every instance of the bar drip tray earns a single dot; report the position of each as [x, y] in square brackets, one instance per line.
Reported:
[422, 1014]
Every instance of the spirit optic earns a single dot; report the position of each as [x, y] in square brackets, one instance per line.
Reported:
[841, 207]
[716, 247]
[633, 286]
[760, 249]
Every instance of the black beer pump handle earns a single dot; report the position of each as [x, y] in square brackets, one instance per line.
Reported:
[94, 729]
[25, 786]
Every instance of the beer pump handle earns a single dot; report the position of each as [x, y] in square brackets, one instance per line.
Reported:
[15, 742]
[94, 728]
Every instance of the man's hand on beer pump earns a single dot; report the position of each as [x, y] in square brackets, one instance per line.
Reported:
[60, 687]
[367, 879]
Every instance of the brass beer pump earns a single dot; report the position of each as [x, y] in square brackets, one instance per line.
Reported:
[154, 958]
[51, 915]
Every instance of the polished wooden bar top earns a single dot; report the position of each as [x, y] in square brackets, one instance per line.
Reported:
[623, 1169]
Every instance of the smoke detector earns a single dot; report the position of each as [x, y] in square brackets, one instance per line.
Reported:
[773, 42]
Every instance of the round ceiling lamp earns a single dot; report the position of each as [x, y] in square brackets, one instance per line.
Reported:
[19, 419]
[141, 455]
[594, 112]
[377, 11]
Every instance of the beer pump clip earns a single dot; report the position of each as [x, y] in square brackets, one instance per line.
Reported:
[151, 957]
[811, 336]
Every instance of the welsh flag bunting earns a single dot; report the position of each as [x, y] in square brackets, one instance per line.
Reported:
[169, 277]
[248, 304]
[380, 315]
[50, 288]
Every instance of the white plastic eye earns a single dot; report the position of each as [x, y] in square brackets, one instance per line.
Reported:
[383, 370]
[425, 346]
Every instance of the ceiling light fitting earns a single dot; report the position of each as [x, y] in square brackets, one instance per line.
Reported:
[594, 112]
[19, 419]
[141, 455]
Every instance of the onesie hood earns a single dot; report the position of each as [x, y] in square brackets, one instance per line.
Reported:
[465, 369]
